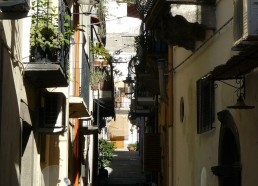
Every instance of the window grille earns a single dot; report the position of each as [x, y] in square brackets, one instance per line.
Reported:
[205, 105]
[52, 112]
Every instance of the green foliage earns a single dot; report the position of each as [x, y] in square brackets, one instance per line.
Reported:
[99, 50]
[106, 150]
[46, 36]
[102, 11]
[44, 29]
[132, 145]
[96, 76]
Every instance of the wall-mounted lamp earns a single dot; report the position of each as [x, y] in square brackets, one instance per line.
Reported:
[240, 104]
[128, 85]
[129, 82]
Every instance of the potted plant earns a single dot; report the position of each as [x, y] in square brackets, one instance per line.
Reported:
[46, 37]
[100, 52]
[96, 77]
[106, 150]
[131, 146]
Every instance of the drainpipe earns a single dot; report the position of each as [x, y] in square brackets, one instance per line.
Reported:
[1, 71]
[1, 83]
[169, 134]
[76, 91]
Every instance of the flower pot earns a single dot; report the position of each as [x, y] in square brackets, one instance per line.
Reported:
[94, 86]
[131, 148]
[97, 62]
[105, 63]
[101, 85]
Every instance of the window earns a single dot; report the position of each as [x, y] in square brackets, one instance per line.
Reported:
[205, 105]
[52, 112]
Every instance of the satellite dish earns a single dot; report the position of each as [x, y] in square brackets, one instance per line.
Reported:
[67, 181]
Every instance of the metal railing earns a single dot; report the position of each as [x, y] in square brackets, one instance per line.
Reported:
[59, 21]
[144, 6]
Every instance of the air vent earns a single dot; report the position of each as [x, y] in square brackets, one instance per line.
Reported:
[245, 24]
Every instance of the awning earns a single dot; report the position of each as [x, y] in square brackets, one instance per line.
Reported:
[77, 108]
[105, 107]
[236, 66]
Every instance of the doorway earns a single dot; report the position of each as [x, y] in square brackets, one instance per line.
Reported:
[229, 168]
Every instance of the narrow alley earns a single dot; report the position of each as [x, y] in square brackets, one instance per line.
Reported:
[126, 169]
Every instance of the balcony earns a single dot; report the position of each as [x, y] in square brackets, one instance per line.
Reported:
[50, 34]
[146, 88]
[179, 22]
[8, 7]
[46, 75]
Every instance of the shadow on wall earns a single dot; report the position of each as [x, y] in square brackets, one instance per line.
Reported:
[10, 127]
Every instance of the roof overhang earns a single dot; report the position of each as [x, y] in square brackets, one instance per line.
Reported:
[77, 108]
[237, 66]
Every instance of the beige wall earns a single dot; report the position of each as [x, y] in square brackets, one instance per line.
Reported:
[118, 130]
[195, 152]
[17, 168]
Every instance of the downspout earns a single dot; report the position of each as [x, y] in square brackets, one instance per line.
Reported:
[1, 85]
[76, 91]
[1, 72]
[170, 117]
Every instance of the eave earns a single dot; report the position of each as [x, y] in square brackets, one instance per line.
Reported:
[237, 66]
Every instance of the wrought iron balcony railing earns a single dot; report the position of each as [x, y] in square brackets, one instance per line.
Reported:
[144, 6]
[49, 41]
